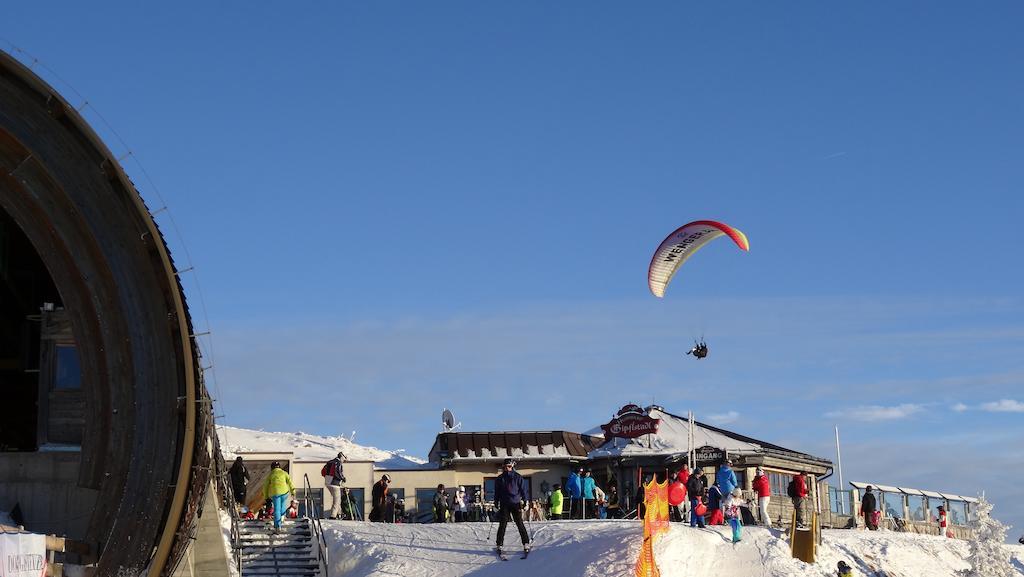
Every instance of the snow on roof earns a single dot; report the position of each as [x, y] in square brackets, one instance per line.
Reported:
[909, 491]
[672, 436]
[307, 447]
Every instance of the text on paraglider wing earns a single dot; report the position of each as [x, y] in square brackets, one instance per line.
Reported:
[683, 245]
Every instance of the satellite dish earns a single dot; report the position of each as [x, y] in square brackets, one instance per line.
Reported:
[448, 421]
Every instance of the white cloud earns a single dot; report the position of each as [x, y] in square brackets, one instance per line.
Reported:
[1004, 406]
[960, 407]
[724, 418]
[877, 412]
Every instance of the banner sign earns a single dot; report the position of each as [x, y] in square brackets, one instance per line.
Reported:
[630, 422]
[22, 555]
[708, 455]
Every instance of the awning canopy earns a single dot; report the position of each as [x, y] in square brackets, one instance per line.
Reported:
[909, 491]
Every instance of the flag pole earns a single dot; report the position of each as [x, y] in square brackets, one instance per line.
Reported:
[839, 462]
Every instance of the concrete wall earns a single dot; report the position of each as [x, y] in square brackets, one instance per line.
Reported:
[45, 486]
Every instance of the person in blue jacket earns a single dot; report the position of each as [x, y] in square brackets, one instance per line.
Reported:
[510, 497]
[574, 485]
[589, 496]
[726, 478]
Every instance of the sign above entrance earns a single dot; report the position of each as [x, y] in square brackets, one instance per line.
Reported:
[630, 422]
[708, 455]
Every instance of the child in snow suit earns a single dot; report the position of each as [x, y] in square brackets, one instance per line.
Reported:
[732, 514]
[697, 515]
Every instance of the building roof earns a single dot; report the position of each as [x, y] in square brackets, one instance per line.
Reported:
[523, 445]
[672, 439]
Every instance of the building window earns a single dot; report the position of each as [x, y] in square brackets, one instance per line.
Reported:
[317, 498]
[779, 483]
[489, 489]
[399, 493]
[892, 504]
[918, 509]
[957, 513]
[841, 501]
[933, 507]
[68, 374]
[358, 498]
[424, 512]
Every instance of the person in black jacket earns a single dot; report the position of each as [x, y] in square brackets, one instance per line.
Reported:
[695, 489]
[239, 479]
[868, 506]
[510, 498]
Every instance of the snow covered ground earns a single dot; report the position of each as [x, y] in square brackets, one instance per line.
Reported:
[592, 548]
[308, 447]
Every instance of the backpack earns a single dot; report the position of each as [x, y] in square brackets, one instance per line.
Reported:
[791, 489]
[327, 469]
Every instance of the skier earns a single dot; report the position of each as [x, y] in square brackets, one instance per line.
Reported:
[868, 505]
[334, 478]
[239, 479]
[762, 486]
[732, 514]
[556, 502]
[378, 498]
[278, 487]
[510, 498]
[574, 484]
[844, 570]
[942, 522]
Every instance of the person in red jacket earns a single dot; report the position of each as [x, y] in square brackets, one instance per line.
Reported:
[798, 492]
[943, 527]
[763, 488]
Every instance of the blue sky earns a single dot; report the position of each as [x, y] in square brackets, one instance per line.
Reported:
[393, 208]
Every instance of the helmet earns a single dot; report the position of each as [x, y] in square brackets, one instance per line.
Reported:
[386, 477]
[275, 465]
[509, 462]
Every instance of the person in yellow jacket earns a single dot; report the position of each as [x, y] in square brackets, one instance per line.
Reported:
[556, 502]
[278, 488]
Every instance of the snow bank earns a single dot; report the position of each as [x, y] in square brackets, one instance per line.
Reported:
[597, 548]
[307, 447]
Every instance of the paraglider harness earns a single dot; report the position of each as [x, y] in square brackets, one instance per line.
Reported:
[699, 350]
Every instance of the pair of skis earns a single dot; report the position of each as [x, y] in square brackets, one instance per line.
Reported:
[504, 557]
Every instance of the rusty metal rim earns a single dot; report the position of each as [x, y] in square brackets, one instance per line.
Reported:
[167, 536]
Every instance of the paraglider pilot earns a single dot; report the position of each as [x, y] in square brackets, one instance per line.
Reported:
[699, 350]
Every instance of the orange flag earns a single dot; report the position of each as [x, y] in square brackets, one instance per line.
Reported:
[655, 523]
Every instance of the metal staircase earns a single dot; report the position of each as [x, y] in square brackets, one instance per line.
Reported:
[293, 552]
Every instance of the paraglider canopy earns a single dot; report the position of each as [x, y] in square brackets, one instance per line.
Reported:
[681, 244]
